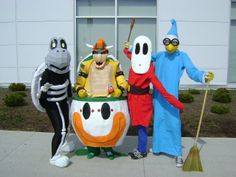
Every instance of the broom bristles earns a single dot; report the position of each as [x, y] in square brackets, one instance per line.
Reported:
[193, 161]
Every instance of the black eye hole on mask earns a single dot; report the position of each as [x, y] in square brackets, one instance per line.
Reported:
[86, 110]
[137, 48]
[145, 48]
[105, 111]
[63, 44]
[53, 44]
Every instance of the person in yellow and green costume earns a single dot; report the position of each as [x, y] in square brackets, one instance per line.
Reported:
[100, 76]
[169, 67]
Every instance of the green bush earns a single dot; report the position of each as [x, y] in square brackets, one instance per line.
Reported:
[194, 91]
[22, 94]
[222, 95]
[220, 109]
[14, 99]
[17, 87]
[186, 97]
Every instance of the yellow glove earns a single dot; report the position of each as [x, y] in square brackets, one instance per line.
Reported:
[126, 44]
[128, 87]
[209, 76]
[116, 93]
[82, 93]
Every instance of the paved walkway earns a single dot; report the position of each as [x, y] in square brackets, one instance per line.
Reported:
[26, 154]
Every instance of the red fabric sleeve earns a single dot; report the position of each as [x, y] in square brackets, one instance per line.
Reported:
[127, 53]
[160, 88]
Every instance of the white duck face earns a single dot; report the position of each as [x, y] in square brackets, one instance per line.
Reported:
[100, 124]
[141, 54]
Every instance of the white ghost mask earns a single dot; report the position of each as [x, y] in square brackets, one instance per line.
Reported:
[141, 54]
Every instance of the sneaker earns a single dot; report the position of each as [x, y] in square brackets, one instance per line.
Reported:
[137, 155]
[60, 161]
[179, 161]
[90, 155]
[68, 146]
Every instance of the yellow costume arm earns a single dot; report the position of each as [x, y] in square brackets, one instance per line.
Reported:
[81, 80]
[120, 79]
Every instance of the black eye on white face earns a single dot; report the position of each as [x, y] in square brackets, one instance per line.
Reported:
[63, 44]
[53, 44]
[86, 111]
[145, 48]
[105, 111]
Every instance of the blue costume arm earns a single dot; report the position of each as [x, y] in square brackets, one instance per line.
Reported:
[194, 73]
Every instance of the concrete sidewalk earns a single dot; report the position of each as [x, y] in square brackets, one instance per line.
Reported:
[26, 154]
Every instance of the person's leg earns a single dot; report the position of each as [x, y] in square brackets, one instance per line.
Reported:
[141, 151]
[109, 152]
[92, 152]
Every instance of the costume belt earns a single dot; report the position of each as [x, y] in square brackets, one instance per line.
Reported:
[136, 90]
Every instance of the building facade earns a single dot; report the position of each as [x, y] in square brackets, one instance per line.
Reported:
[206, 31]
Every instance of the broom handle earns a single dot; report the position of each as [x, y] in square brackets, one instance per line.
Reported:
[131, 28]
[201, 116]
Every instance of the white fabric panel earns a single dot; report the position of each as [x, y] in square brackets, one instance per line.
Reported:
[195, 10]
[7, 10]
[220, 78]
[42, 32]
[198, 33]
[44, 10]
[7, 34]
[8, 56]
[8, 75]
[31, 55]
[206, 56]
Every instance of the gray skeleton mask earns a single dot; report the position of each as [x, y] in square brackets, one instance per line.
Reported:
[58, 58]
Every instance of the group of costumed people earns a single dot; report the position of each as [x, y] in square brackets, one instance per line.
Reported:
[99, 112]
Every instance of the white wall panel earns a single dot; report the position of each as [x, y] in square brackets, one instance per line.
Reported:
[198, 33]
[8, 56]
[195, 10]
[7, 10]
[31, 55]
[7, 34]
[220, 78]
[44, 10]
[206, 56]
[8, 75]
[42, 32]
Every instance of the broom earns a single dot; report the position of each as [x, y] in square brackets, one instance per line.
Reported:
[131, 28]
[193, 161]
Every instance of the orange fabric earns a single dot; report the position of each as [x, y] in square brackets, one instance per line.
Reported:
[109, 140]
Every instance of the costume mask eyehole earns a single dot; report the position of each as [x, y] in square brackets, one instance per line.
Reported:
[63, 44]
[137, 48]
[53, 44]
[86, 110]
[105, 111]
[145, 48]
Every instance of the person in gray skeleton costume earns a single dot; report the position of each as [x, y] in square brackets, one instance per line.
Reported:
[55, 90]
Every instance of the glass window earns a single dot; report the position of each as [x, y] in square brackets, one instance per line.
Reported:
[110, 19]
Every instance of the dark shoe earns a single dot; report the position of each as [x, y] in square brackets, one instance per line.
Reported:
[137, 155]
[110, 155]
[90, 155]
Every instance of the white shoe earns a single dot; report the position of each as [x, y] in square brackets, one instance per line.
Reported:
[60, 161]
[68, 146]
[179, 161]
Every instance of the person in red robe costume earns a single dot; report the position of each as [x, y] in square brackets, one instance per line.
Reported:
[141, 74]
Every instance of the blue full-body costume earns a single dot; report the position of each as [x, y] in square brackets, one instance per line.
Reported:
[169, 68]
[167, 124]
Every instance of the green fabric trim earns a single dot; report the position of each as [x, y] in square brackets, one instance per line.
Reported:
[101, 99]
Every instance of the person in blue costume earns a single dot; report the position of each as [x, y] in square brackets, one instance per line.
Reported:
[169, 67]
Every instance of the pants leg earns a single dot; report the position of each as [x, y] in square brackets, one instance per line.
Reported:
[142, 139]
[59, 116]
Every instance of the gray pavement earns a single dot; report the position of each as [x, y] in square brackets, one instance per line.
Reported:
[26, 154]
